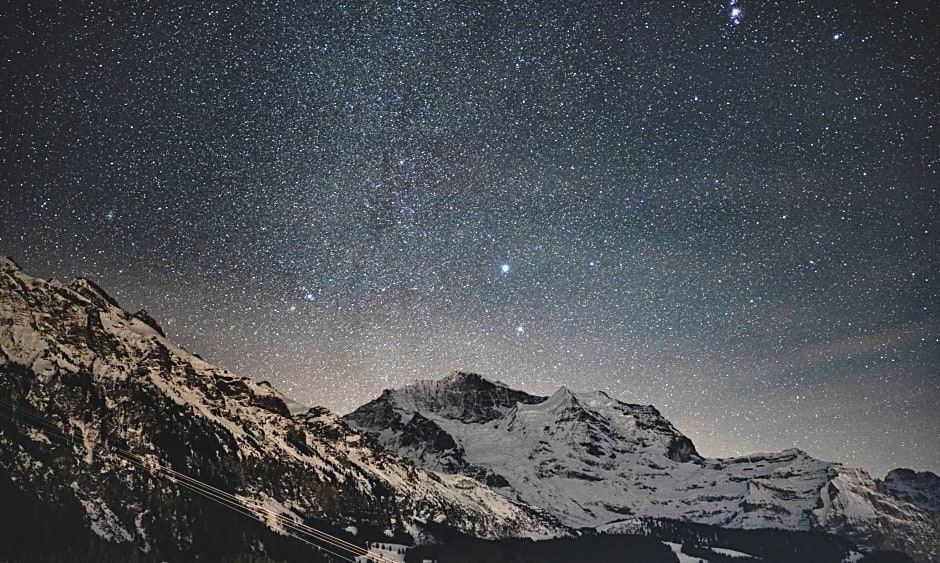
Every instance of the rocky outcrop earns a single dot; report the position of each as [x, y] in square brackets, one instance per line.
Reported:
[922, 489]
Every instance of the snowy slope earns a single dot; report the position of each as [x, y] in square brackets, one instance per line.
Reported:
[592, 461]
[103, 375]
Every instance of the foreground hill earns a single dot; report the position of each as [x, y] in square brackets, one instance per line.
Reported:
[100, 411]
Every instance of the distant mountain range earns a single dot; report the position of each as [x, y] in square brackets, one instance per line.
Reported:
[592, 461]
[117, 445]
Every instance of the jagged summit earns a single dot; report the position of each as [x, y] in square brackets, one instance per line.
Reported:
[463, 381]
[91, 291]
[458, 377]
[464, 396]
[560, 398]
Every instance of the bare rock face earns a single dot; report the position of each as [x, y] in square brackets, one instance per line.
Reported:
[593, 461]
[144, 316]
[81, 380]
[922, 489]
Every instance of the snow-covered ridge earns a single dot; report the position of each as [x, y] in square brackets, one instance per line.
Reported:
[592, 461]
[71, 353]
[586, 459]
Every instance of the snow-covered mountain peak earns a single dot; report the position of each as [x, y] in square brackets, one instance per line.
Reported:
[463, 396]
[590, 460]
[561, 398]
[605, 419]
[459, 378]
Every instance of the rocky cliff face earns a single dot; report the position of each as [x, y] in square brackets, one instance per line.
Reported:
[82, 380]
[922, 489]
[593, 461]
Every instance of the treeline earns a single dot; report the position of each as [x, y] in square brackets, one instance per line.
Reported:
[459, 548]
[35, 532]
[770, 546]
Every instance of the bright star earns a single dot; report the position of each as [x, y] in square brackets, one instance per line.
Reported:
[505, 268]
[837, 36]
[736, 13]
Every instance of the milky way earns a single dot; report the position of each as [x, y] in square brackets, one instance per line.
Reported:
[727, 210]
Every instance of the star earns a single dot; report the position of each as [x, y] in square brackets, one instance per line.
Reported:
[685, 206]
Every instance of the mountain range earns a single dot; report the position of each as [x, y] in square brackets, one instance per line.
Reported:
[592, 461]
[116, 444]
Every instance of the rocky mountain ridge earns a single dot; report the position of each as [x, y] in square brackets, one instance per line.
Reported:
[920, 488]
[108, 381]
[106, 423]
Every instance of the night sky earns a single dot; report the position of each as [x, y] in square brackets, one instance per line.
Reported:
[726, 209]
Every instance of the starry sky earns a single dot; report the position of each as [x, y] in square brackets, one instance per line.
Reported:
[724, 208]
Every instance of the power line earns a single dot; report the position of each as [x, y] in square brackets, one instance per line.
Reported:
[236, 507]
[204, 489]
